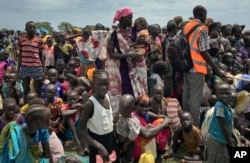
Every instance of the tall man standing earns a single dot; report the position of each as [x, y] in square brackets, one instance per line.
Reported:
[195, 78]
[31, 62]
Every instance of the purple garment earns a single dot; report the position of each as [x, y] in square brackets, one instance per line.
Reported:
[19, 119]
[245, 52]
[124, 71]
[242, 118]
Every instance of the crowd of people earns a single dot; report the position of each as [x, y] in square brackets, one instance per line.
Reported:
[115, 94]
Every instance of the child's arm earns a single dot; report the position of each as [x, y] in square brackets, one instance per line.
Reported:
[235, 136]
[224, 130]
[46, 151]
[88, 110]
[125, 144]
[155, 116]
[176, 137]
[151, 132]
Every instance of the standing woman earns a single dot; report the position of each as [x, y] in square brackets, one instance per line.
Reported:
[122, 61]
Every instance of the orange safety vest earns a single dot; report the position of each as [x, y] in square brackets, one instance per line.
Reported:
[200, 65]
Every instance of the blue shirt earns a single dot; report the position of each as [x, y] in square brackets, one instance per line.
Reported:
[221, 110]
[59, 91]
[41, 135]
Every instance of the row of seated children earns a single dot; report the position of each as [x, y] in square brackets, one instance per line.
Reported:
[143, 117]
[63, 114]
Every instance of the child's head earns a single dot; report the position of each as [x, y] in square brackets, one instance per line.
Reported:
[222, 66]
[228, 58]
[226, 30]
[37, 117]
[212, 100]
[72, 63]
[31, 96]
[246, 40]
[6, 77]
[171, 26]
[186, 121]
[10, 108]
[209, 71]
[83, 81]
[61, 38]
[101, 82]
[78, 61]
[72, 97]
[99, 26]
[12, 78]
[86, 32]
[214, 34]
[52, 75]
[142, 105]
[140, 24]
[37, 100]
[160, 67]
[2, 54]
[49, 41]
[237, 31]
[80, 89]
[154, 29]
[60, 65]
[157, 93]
[61, 78]
[126, 105]
[223, 92]
[50, 91]
[233, 99]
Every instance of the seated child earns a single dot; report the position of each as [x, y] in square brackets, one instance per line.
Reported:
[36, 129]
[127, 128]
[71, 113]
[52, 75]
[60, 65]
[78, 69]
[190, 137]
[30, 97]
[173, 110]
[154, 129]
[54, 104]
[10, 113]
[242, 113]
[65, 85]
[3, 64]
[158, 103]
[12, 88]
[159, 69]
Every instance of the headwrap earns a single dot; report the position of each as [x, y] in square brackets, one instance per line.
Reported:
[122, 12]
[243, 100]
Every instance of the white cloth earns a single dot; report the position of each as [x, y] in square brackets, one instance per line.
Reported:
[102, 120]
[128, 127]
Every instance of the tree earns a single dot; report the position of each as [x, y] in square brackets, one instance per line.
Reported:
[44, 25]
[65, 27]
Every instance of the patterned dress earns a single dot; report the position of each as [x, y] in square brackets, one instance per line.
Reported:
[126, 77]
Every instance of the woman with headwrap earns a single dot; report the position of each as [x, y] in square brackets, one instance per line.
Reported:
[127, 70]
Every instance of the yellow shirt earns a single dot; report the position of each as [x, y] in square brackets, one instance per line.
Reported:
[24, 108]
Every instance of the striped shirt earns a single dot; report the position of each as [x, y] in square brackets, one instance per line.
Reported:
[30, 50]
[173, 109]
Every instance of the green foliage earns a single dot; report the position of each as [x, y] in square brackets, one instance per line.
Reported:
[44, 25]
[65, 27]
[4, 29]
